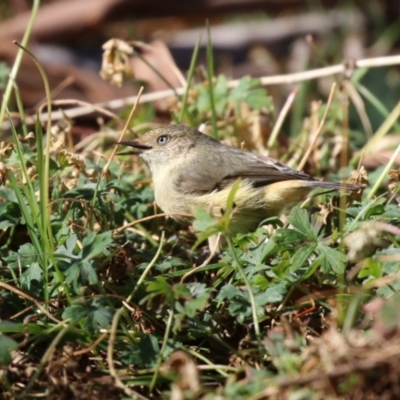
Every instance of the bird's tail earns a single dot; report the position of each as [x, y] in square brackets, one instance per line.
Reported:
[333, 185]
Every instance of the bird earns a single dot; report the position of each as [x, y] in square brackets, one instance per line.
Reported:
[191, 169]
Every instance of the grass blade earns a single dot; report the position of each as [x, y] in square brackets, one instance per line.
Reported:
[193, 61]
[210, 75]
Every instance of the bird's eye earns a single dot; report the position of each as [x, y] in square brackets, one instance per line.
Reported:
[163, 139]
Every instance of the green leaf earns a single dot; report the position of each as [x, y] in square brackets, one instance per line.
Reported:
[231, 202]
[87, 272]
[81, 271]
[392, 211]
[375, 210]
[8, 195]
[146, 352]
[331, 260]
[300, 257]
[159, 287]
[203, 219]
[82, 192]
[208, 225]
[75, 312]
[6, 346]
[198, 289]
[33, 273]
[94, 244]
[250, 92]
[72, 275]
[195, 305]
[100, 316]
[220, 96]
[370, 269]
[240, 308]
[389, 290]
[65, 254]
[285, 237]
[7, 224]
[229, 292]
[26, 255]
[301, 223]
[95, 316]
[257, 254]
[274, 294]
[208, 232]
[81, 274]
[11, 327]
[169, 263]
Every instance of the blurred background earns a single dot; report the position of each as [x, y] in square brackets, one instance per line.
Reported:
[249, 37]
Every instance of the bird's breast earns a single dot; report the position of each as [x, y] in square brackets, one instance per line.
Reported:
[166, 195]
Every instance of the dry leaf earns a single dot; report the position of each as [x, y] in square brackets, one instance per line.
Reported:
[394, 174]
[357, 177]
[325, 210]
[363, 242]
[115, 61]
[182, 364]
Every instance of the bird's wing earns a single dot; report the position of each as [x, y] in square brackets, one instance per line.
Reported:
[262, 171]
[218, 172]
[198, 180]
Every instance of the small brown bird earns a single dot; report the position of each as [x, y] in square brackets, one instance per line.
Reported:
[191, 169]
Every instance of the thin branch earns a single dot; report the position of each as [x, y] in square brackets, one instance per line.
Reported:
[274, 386]
[128, 121]
[316, 135]
[113, 372]
[281, 118]
[265, 81]
[213, 252]
[138, 221]
[28, 297]
[147, 269]
[91, 346]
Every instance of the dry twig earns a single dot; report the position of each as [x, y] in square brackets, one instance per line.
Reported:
[265, 81]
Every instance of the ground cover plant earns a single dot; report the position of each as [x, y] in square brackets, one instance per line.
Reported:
[103, 296]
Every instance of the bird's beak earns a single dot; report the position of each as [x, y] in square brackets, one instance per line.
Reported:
[139, 147]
